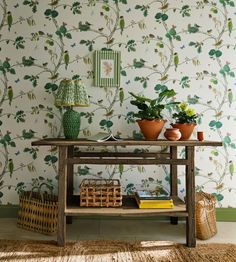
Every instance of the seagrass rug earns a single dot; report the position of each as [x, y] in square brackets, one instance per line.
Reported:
[112, 251]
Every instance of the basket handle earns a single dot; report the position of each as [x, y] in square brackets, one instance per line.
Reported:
[39, 190]
[208, 197]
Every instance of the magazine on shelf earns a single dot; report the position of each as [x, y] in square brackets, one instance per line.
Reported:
[150, 195]
[102, 136]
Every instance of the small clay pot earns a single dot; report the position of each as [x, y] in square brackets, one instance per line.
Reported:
[172, 134]
[200, 136]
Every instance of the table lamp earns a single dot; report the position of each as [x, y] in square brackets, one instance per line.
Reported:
[71, 93]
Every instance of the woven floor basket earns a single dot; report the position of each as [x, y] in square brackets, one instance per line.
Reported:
[38, 212]
[205, 215]
[100, 193]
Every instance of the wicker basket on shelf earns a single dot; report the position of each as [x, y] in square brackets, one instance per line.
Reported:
[100, 193]
[38, 212]
[205, 215]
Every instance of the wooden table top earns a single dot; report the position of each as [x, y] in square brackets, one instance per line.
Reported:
[123, 142]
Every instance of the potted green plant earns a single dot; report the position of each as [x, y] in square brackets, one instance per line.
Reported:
[186, 120]
[150, 118]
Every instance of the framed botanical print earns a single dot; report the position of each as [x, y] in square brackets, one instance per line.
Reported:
[107, 68]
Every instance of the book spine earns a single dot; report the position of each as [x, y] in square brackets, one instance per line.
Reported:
[156, 201]
[145, 199]
[152, 197]
[156, 206]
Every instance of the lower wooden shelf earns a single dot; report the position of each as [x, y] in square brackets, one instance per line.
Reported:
[129, 208]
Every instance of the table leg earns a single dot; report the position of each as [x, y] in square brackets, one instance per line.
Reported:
[173, 180]
[190, 198]
[62, 193]
[70, 179]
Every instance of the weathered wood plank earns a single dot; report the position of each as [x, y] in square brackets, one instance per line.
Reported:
[125, 212]
[125, 142]
[62, 193]
[70, 180]
[173, 180]
[121, 154]
[125, 161]
[128, 210]
[190, 198]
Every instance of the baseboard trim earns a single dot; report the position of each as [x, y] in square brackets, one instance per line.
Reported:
[222, 214]
[226, 214]
[8, 211]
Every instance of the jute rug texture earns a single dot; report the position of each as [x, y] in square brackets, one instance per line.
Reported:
[112, 251]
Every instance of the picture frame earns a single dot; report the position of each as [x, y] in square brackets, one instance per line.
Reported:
[107, 68]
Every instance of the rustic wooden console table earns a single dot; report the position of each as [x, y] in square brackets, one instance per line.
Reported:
[68, 157]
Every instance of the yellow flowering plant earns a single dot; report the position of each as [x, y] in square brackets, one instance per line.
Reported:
[185, 114]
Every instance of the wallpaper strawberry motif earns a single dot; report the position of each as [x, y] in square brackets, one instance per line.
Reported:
[185, 45]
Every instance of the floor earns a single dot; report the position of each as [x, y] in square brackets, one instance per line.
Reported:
[119, 229]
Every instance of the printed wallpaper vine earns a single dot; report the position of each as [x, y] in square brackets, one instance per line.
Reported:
[185, 45]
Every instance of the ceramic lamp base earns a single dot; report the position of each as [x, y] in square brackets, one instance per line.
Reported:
[71, 124]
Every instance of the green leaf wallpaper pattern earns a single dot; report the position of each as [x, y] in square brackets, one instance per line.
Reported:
[188, 46]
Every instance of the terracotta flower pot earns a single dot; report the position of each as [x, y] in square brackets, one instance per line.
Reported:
[172, 134]
[186, 129]
[151, 129]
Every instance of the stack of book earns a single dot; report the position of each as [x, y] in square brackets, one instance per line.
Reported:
[148, 199]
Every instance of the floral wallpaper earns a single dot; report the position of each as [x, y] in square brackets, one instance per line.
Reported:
[185, 45]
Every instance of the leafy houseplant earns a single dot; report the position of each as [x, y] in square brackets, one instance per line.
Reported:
[185, 114]
[150, 118]
[186, 120]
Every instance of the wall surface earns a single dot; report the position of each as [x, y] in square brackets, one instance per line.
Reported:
[34, 36]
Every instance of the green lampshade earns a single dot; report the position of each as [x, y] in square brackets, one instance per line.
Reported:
[71, 93]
